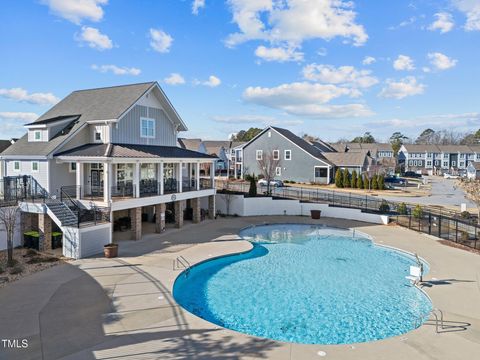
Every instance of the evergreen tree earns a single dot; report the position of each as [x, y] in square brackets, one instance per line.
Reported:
[381, 182]
[366, 182]
[360, 182]
[339, 178]
[346, 178]
[354, 179]
[252, 191]
[374, 182]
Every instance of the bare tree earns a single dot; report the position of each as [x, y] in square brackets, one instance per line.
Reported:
[8, 220]
[472, 192]
[268, 165]
[227, 195]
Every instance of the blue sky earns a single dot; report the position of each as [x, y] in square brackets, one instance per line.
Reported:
[330, 68]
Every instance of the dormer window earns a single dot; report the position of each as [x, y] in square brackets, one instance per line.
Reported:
[147, 128]
[37, 135]
[98, 136]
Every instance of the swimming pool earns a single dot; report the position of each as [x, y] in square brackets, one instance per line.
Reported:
[306, 284]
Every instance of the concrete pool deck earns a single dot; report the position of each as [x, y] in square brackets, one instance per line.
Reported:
[123, 308]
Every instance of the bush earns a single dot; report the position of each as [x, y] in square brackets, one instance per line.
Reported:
[417, 212]
[339, 178]
[402, 209]
[12, 263]
[374, 182]
[252, 191]
[17, 269]
[2, 270]
[360, 182]
[346, 179]
[465, 214]
[381, 182]
[365, 182]
[354, 179]
[384, 207]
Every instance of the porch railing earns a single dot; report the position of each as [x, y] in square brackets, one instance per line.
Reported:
[123, 190]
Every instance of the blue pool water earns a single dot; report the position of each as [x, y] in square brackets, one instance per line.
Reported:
[306, 284]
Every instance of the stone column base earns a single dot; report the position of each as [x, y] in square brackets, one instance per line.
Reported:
[160, 217]
[45, 232]
[196, 210]
[136, 218]
[179, 207]
[211, 207]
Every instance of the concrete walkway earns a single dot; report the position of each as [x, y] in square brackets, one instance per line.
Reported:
[123, 308]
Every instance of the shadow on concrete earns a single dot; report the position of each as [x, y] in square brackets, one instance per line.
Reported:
[431, 283]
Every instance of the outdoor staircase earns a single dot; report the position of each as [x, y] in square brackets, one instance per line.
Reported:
[62, 212]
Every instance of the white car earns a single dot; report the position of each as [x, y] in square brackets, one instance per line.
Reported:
[450, 176]
[274, 183]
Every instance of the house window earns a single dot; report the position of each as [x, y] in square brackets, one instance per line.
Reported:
[429, 155]
[98, 136]
[288, 154]
[73, 167]
[411, 162]
[259, 154]
[429, 163]
[462, 156]
[269, 134]
[320, 172]
[278, 171]
[276, 155]
[445, 164]
[147, 128]
[147, 171]
[478, 156]
[445, 156]
[454, 163]
[461, 164]
[16, 166]
[37, 135]
[35, 166]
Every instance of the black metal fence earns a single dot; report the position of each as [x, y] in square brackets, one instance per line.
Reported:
[444, 223]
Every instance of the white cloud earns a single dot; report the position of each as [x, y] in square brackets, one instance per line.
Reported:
[306, 99]
[94, 38]
[174, 79]
[403, 62]
[444, 22]
[117, 70]
[196, 5]
[368, 60]
[212, 81]
[289, 23]
[471, 8]
[410, 21]
[341, 75]
[77, 10]
[400, 89]
[441, 61]
[279, 54]
[254, 119]
[462, 121]
[22, 116]
[22, 95]
[160, 41]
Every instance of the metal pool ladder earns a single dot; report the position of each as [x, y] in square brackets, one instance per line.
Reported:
[438, 314]
[181, 263]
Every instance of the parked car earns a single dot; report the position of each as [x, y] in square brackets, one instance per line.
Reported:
[395, 180]
[450, 176]
[412, 174]
[274, 183]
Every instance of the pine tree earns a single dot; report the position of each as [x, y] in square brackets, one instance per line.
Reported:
[381, 182]
[360, 182]
[346, 178]
[354, 179]
[374, 182]
[366, 183]
[339, 178]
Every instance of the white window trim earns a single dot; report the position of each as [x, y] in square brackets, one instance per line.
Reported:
[278, 171]
[285, 155]
[35, 132]
[70, 167]
[38, 166]
[19, 166]
[95, 136]
[277, 153]
[259, 154]
[149, 120]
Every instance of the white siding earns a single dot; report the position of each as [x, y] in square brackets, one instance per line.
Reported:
[60, 175]
[26, 169]
[43, 135]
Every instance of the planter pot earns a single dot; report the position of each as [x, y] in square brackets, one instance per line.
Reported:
[110, 250]
[315, 214]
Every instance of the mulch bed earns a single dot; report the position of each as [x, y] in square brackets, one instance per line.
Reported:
[27, 262]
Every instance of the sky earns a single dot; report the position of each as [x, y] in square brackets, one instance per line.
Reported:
[330, 68]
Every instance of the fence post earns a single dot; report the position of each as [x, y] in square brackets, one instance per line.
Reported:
[333, 197]
[429, 223]
[410, 220]
[456, 230]
[440, 226]
[366, 202]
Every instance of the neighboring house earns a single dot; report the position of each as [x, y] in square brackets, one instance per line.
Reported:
[381, 154]
[221, 150]
[358, 161]
[236, 159]
[473, 170]
[299, 160]
[4, 144]
[437, 159]
[112, 149]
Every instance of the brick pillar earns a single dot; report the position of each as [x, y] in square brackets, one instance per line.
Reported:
[179, 206]
[136, 218]
[211, 207]
[160, 217]
[196, 210]
[45, 232]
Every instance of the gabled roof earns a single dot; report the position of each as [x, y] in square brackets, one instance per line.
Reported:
[422, 148]
[215, 146]
[347, 158]
[54, 120]
[190, 144]
[476, 165]
[323, 146]
[4, 144]
[132, 151]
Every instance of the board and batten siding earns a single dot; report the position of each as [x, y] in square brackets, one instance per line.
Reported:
[60, 175]
[127, 130]
[26, 169]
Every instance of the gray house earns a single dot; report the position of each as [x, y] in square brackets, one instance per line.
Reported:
[299, 160]
[473, 170]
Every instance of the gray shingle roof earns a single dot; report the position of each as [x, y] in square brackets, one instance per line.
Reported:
[4, 144]
[190, 144]
[347, 158]
[132, 151]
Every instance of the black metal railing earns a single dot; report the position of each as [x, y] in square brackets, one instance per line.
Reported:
[170, 186]
[189, 185]
[93, 215]
[21, 188]
[123, 190]
[149, 187]
[205, 184]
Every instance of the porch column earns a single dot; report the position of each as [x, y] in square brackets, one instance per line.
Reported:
[196, 210]
[45, 232]
[79, 179]
[179, 177]
[136, 180]
[136, 219]
[160, 177]
[211, 207]
[160, 217]
[107, 181]
[328, 175]
[179, 206]
[197, 175]
[212, 174]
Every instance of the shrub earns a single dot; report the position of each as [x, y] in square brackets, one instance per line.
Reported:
[346, 179]
[374, 182]
[339, 178]
[384, 207]
[465, 214]
[365, 182]
[2, 270]
[360, 182]
[12, 263]
[354, 179]
[252, 191]
[402, 209]
[17, 269]
[381, 182]
[417, 212]
[292, 182]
